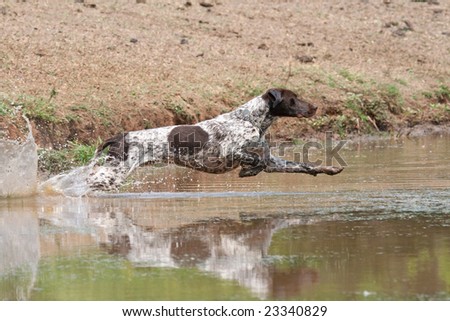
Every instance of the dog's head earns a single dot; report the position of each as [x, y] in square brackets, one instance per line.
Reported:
[285, 103]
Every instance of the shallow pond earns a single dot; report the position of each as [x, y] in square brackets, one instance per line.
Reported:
[378, 231]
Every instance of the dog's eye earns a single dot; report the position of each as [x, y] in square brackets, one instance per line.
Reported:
[292, 101]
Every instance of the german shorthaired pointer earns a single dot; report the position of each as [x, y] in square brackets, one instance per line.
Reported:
[214, 146]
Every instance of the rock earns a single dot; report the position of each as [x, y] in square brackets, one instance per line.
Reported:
[408, 25]
[427, 130]
[402, 28]
[391, 24]
[305, 59]
[263, 46]
[133, 40]
[206, 4]
[399, 33]
[184, 41]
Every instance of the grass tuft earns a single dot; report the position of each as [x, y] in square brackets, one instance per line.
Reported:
[59, 160]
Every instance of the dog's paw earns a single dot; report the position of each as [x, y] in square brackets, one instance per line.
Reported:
[329, 170]
[333, 170]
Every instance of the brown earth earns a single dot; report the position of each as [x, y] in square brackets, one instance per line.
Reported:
[85, 70]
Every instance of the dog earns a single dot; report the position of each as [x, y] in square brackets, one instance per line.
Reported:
[218, 145]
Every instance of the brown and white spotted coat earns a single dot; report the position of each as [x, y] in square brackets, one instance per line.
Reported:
[215, 146]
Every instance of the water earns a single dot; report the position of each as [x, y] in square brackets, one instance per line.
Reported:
[378, 231]
[18, 170]
[72, 183]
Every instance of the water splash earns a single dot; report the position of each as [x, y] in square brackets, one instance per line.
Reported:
[93, 179]
[18, 166]
[72, 183]
[19, 172]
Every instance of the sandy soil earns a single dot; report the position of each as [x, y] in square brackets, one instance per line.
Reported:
[100, 67]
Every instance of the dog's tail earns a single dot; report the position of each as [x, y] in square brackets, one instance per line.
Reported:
[117, 147]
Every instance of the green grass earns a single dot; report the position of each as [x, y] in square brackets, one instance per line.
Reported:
[331, 82]
[442, 94]
[59, 160]
[181, 115]
[351, 77]
[344, 124]
[319, 122]
[78, 108]
[5, 109]
[347, 74]
[355, 102]
[392, 91]
[401, 82]
[366, 106]
[54, 161]
[255, 91]
[81, 153]
[103, 114]
[38, 108]
[372, 110]
[440, 113]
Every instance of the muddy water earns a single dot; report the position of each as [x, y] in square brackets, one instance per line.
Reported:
[379, 230]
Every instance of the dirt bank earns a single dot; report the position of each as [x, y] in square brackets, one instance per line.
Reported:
[85, 70]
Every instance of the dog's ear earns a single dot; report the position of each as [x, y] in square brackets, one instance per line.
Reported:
[275, 97]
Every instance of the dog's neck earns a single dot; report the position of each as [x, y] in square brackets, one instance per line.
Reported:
[256, 112]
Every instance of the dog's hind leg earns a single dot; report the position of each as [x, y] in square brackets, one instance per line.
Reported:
[108, 177]
[116, 147]
[110, 166]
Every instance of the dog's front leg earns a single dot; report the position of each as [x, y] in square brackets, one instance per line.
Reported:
[278, 165]
[251, 165]
[248, 170]
[254, 158]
